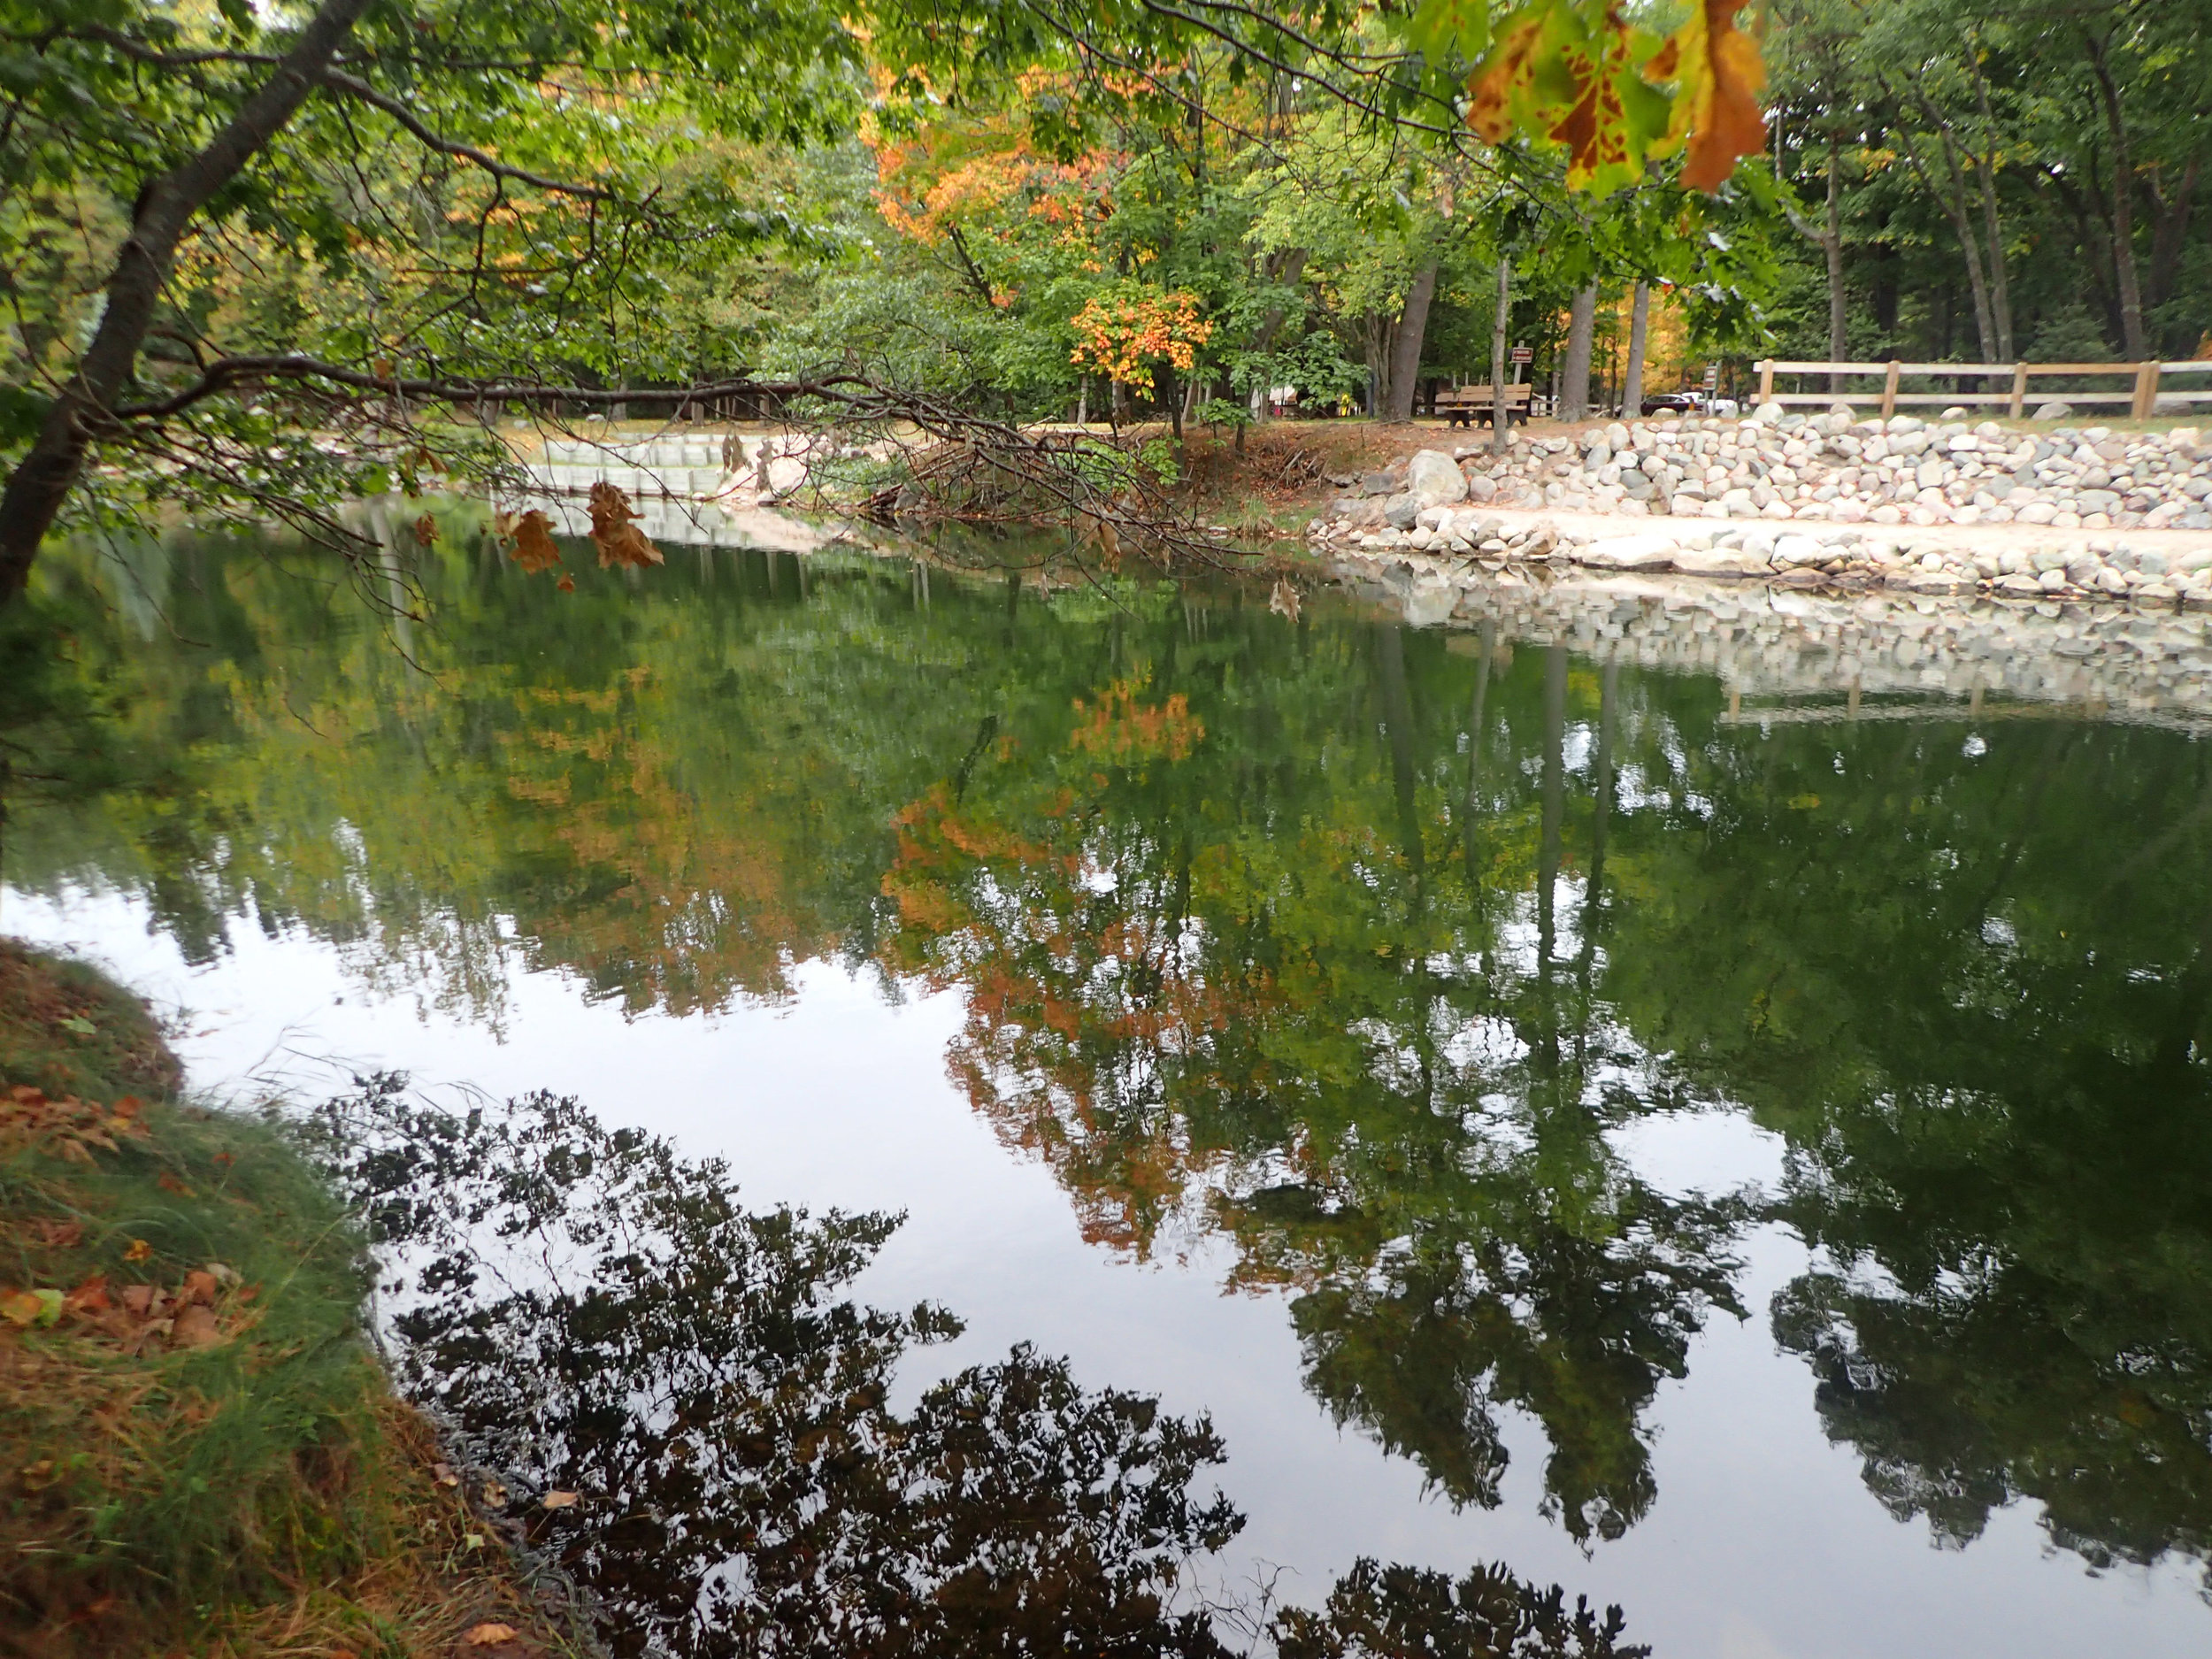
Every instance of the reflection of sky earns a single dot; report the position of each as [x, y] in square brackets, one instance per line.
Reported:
[1762, 1544]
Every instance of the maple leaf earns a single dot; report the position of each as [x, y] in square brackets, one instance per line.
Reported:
[1717, 75]
[533, 538]
[614, 530]
[1578, 74]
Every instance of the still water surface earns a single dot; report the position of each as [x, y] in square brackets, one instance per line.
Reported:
[1763, 1177]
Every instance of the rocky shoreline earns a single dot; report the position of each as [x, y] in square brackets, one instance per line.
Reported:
[1825, 501]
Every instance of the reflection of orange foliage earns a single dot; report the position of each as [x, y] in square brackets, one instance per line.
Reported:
[1123, 731]
[665, 905]
[1082, 994]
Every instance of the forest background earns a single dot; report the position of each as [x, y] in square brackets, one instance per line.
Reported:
[314, 227]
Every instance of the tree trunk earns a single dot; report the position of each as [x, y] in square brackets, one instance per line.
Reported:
[1405, 347]
[1574, 374]
[1831, 244]
[1501, 440]
[44, 477]
[1639, 332]
[2170, 235]
[2135, 338]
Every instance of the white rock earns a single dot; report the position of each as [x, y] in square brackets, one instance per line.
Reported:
[1435, 477]
[1653, 551]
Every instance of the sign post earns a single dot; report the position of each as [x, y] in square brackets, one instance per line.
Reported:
[1523, 355]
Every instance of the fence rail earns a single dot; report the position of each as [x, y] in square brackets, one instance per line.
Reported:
[2140, 397]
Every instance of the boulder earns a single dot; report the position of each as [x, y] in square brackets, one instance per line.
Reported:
[1399, 511]
[1767, 413]
[2053, 411]
[1436, 479]
[1379, 484]
[1653, 552]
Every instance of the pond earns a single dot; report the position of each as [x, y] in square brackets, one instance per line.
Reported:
[1757, 1172]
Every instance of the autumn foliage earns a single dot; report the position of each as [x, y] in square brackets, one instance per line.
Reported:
[1122, 337]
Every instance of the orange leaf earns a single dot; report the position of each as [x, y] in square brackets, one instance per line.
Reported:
[1718, 75]
[488, 1634]
[533, 548]
[567, 584]
[198, 1287]
[20, 1308]
[559, 1500]
[139, 1251]
[426, 530]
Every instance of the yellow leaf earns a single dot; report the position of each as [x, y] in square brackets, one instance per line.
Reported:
[487, 1634]
[559, 1500]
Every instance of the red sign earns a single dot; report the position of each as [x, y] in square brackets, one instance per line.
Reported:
[1524, 354]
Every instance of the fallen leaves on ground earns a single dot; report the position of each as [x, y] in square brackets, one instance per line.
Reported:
[559, 1500]
[68, 1127]
[487, 1634]
[208, 1307]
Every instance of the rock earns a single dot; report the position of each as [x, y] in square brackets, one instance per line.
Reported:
[1435, 477]
[1481, 487]
[2053, 411]
[1767, 413]
[1955, 412]
[1898, 424]
[2171, 406]
[1727, 562]
[1379, 484]
[1799, 549]
[1400, 511]
[1651, 552]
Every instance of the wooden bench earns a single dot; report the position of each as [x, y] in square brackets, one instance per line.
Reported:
[1466, 404]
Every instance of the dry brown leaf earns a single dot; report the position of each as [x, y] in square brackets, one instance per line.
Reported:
[445, 1475]
[138, 1299]
[567, 584]
[196, 1327]
[426, 530]
[613, 529]
[487, 1634]
[89, 1298]
[58, 1235]
[493, 1494]
[198, 1287]
[21, 1308]
[559, 1500]
[534, 549]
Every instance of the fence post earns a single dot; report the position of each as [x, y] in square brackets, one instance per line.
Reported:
[1889, 388]
[2019, 389]
[1766, 380]
[2146, 389]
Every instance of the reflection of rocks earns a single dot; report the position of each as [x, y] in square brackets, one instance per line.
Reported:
[1770, 641]
[706, 523]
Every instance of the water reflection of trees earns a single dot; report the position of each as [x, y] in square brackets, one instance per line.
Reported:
[596, 1316]
[1350, 947]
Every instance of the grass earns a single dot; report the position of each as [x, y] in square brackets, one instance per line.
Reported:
[198, 1450]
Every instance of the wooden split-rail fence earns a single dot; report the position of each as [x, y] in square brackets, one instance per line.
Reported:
[2141, 397]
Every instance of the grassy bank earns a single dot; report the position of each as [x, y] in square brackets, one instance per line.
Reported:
[198, 1450]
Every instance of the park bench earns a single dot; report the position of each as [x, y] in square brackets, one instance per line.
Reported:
[1463, 405]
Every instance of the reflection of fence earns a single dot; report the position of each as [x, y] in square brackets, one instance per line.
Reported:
[2140, 397]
